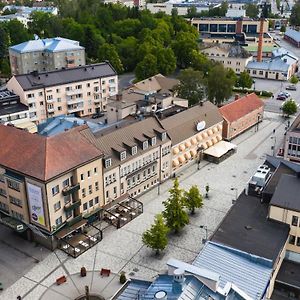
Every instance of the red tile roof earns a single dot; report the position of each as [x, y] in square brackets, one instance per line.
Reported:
[241, 107]
[44, 157]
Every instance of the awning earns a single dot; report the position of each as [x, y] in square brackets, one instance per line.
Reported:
[209, 143]
[64, 232]
[188, 144]
[199, 137]
[219, 137]
[187, 155]
[193, 152]
[204, 135]
[210, 132]
[87, 215]
[181, 147]
[12, 223]
[204, 146]
[219, 126]
[175, 163]
[30, 126]
[181, 159]
[219, 149]
[215, 130]
[194, 141]
[214, 140]
[175, 150]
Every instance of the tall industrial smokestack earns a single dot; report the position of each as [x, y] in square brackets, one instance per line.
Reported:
[260, 39]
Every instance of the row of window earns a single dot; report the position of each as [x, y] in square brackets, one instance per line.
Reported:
[91, 203]
[294, 241]
[295, 221]
[69, 88]
[294, 140]
[15, 201]
[134, 180]
[90, 189]
[89, 174]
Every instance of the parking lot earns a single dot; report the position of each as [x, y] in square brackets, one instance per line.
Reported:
[122, 249]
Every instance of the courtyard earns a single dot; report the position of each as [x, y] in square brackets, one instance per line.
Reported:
[122, 249]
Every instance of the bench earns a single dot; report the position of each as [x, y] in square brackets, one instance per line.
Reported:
[105, 272]
[61, 280]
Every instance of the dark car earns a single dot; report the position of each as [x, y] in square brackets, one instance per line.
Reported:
[281, 97]
[291, 88]
[97, 115]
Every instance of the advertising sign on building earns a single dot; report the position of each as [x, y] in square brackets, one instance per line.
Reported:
[35, 200]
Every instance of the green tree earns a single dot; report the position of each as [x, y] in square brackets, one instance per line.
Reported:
[192, 12]
[219, 84]
[109, 52]
[174, 214]
[200, 62]
[191, 86]
[278, 4]
[4, 41]
[289, 107]
[156, 237]
[245, 80]
[294, 79]
[17, 32]
[127, 50]
[92, 41]
[146, 68]
[295, 15]
[252, 10]
[193, 199]
[166, 60]
[282, 28]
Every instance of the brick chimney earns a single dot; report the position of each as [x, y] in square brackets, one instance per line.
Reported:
[239, 26]
[260, 40]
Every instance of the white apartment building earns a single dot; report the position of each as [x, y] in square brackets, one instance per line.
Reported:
[81, 91]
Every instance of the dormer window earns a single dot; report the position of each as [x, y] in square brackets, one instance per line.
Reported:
[153, 141]
[163, 136]
[145, 145]
[107, 162]
[123, 155]
[134, 150]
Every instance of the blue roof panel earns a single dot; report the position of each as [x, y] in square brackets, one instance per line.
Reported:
[248, 272]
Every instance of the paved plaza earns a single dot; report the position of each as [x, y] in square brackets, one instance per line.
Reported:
[122, 249]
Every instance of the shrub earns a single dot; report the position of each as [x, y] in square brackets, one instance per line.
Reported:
[294, 80]
[122, 278]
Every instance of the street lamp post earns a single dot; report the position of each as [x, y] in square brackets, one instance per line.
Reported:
[273, 147]
[159, 183]
[258, 119]
[199, 156]
[206, 233]
[254, 85]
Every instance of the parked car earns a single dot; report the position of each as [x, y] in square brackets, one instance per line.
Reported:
[281, 97]
[291, 88]
[97, 115]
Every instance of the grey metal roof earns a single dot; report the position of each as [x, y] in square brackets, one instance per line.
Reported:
[293, 34]
[276, 64]
[287, 192]
[50, 45]
[64, 76]
[183, 125]
[248, 272]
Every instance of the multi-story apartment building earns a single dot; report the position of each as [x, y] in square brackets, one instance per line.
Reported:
[80, 90]
[137, 157]
[48, 182]
[193, 131]
[231, 56]
[45, 55]
[292, 142]
[228, 30]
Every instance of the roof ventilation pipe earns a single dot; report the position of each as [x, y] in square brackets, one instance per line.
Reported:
[161, 295]
[178, 280]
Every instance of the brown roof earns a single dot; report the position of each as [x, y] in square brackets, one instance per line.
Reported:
[44, 157]
[241, 107]
[120, 138]
[183, 125]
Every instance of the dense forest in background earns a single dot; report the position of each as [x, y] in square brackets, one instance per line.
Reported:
[129, 38]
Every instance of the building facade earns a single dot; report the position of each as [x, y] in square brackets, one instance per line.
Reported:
[81, 91]
[234, 57]
[47, 182]
[137, 158]
[45, 55]
[229, 30]
[192, 130]
[292, 142]
[241, 114]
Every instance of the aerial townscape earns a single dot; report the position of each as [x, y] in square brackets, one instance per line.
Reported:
[149, 149]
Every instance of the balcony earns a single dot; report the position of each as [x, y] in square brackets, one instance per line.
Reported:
[74, 101]
[70, 206]
[71, 189]
[31, 100]
[73, 109]
[49, 101]
[51, 109]
[73, 92]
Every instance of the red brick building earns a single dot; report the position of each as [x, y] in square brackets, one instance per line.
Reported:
[241, 114]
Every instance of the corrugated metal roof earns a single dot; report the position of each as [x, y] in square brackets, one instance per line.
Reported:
[248, 272]
[134, 288]
[276, 64]
[293, 34]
